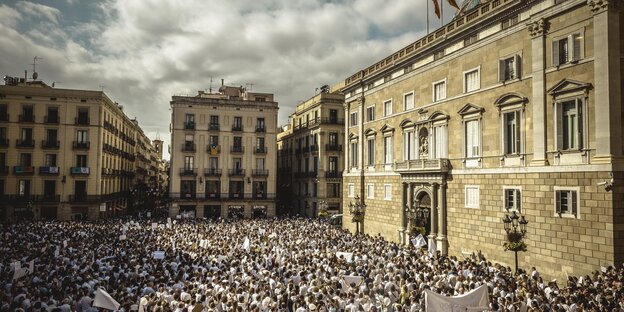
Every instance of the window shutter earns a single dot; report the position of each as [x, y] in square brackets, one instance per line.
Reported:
[558, 202]
[558, 121]
[576, 47]
[505, 139]
[555, 53]
[574, 202]
[501, 70]
[517, 66]
[579, 112]
[518, 200]
[517, 130]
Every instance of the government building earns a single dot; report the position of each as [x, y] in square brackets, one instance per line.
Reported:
[511, 106]
[69, 154]
[223, 157]
[310, 157]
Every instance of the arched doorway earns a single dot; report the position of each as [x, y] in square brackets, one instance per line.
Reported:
[420, 216]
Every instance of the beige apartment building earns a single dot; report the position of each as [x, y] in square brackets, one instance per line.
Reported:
[310, 157]
[513, 105]
[64, 154]
[223, 157]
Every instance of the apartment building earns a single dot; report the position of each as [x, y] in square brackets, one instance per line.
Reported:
[223, 157]
[511, 106]
[310, 156]
[64, 154]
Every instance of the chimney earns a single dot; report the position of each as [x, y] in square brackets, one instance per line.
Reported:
[222, 81]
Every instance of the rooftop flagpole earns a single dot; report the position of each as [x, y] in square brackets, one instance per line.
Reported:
[427, 1]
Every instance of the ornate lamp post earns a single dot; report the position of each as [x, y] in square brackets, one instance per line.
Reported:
[515, 226]
[357, 209]
[417, 216]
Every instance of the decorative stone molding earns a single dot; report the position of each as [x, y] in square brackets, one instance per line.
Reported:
[598, 6]
[537, 28]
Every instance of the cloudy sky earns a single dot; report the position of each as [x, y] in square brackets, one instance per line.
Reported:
[141, 52]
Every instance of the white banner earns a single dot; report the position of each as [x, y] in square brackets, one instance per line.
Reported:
[353, 280]
[348, 256]
[419, 241]
[476, 300]
[104, 300]
[158, 255]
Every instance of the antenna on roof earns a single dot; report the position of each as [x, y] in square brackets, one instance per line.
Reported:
[35, 75]
[210, 85]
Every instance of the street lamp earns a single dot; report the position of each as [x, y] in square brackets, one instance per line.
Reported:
[515, 226]
[357, 209]
[417, 216]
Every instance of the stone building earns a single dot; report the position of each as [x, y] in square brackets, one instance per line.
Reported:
[512, 105]
[64, 154]
[223, 156]
[310, 156]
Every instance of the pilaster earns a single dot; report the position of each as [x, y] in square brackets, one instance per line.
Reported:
[442, 243]
[537, 29]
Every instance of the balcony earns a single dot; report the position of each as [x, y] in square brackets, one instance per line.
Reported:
[214, 127]
[332, 121]
[83, 198]
[213, 172]
[188, 171]
[4, 170]
[4, 117]
[237, 149]
[51, 119]
[83, 121]
[260, 129]
[260, 150]
[260, 172]
[49, 170]
[213, 150]
[237, 172]
[189, 125]
[25, 143]
[80, 171]
[49, 198]
[333, 147]
[236, 127]
[4, 142]
[24, 170]
[81, 145]
[438, 165]
[49, 144]
[333, 174]
[213, 195]
[26, 118]
[236, 196]
[188, 147]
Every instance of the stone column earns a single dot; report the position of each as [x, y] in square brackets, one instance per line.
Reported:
[434, 214]
[607, 79]
[402, 229]
[347, 144]
[442, 241]
[537, 29]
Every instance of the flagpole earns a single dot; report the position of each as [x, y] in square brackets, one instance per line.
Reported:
[441, 13]
[427, 1]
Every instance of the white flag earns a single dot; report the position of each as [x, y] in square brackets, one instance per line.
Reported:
[419, 241]
[432, 248]
[246, 244]
[104, 300]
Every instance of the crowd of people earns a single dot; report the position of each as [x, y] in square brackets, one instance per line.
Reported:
[261, 265]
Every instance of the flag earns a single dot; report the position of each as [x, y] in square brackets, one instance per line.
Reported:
[246, 244]
[453, 3]
[19, 273]
[436, 8]
[432, 247]
[419, 241]
[475, 300]
[105, 301]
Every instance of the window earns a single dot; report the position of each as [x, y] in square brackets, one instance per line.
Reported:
[410, 145]
[570, 130]
[511, 132]
[351, 190]
[238, 123]
[238, 142]
[50, 160]
[371, 151]
[333, 116]
[260, 143]
[387, 107]
[333, 190]
[408, 101]
[567, 202]
[213, 162]
[333, 138]
[509, 68]
[214, 122]
[509, 22]
[370, 191]
[214, 140]
[189, 162]
[387, 192]
[472, 80]
[439, 91]
[353, 119]
[24, 188]
[83, 115]
[439, 142]
[438, 55]
[260, 163]
[388, 150]
[189, 119]
[260, 125]
[82, 136]
[51, 136]
[333, 164]
[471, 196]
[470, 40]
[473, 138]
[354, 154]
[370, 113]
[27, 134]
[567, 49]
[512, 198]
[237, 163]
[25, 159]
[81, 161]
